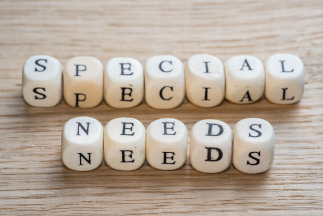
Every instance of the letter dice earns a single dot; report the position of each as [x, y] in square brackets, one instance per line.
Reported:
[83, 82]
[42, 81]
[82, 144]
[164, 81]
[123, 83]
[245, 79]
[284, 79]
[124, 143]
[205, 80]
[253, 145]
[211, 146]
[166, 146]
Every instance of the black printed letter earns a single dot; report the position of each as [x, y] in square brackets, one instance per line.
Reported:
[206, 93]
[85, 130]
[160, 66]
[283, 69]
[209, 152]
[78, 70]
[123, 93]
[165, 128]
[124, 156]
[77, 99]
[87, 160]
[209, 132]
[246, 64]
[165, 157]
[43, 95]
[259, 133]
[256, 159]
[123, 69]
[206, 67]
[124, 128]
[284, 95]
[247, 95]
[161, 92]
[37, 63]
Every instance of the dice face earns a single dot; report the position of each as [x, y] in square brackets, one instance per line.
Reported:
[82, 144]
[205, 80]
[164, 82]
[284, 79]
[211, 146]
[83, 82]
[123, 83]
[245, 79]
[42, 81]
[124, 144]
[253, 145]
[166, 146]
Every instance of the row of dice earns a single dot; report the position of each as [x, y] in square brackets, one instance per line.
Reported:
[243, 79]
[126, 144]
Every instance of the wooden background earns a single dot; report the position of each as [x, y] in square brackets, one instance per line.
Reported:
[33, 180]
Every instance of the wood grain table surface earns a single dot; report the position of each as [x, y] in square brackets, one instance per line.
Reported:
[33, 180]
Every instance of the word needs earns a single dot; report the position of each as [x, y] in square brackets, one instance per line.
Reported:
[123, 82]
[125, 144]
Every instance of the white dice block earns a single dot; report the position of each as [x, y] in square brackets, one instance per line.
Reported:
[166, 145]
[123, 83]
[83, 82]
[124, 143]
[245, 79]
[82, 143]
[42, 81]
[285, 79]
[211, 146]
[253, 145]
[205, 80]
[164, 82]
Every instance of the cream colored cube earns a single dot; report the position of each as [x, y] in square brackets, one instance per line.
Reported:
[253, 145]
[124, 143]
[166, 146]
[123, 83]
[83, 82]
[205, 80]
[284, 79]
[164, 82]
[42, 81]
[82, 143]
[211, 146]
[245, 79]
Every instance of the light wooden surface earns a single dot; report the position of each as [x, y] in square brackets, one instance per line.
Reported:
[33, 180]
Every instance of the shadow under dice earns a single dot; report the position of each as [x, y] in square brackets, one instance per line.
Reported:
[166, 145]
[211, 146]
[124, 143]
[82, 143]
[253, 145]
[245, 79]
[83, 82]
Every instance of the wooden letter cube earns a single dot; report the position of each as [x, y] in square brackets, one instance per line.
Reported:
[211, 146]
[253, 145]
[42, 81]
[83, 82]
[205, 80]
[123, 83]
[124, 143]
[82, 143]
[164, 81]
[245, 79]
[284, 79]
[166, 146]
